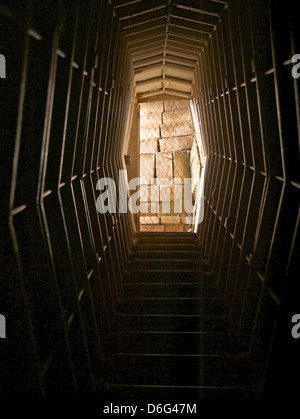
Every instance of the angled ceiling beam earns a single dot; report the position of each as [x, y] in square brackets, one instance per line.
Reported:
[158, 65]
[147, 61]
[157, 80]
[185, 46]
[147, 17]
[220, 1]
[145, 43]
[180, 60]
[177, 93]
[139, 8]
[140, 51]
[119, 3]
[149, 81]
[169, 11]
[142, 27]
[148, 49]
[174, 80]
[199, 27]
[184, 49]
[179, 67]
[188, 33]
[182, 53]
[141, 96]
[195, 17]
[201, 6]
[146, 53]
[146, 95]
[178, 39]
[146, 68]
[148, 34]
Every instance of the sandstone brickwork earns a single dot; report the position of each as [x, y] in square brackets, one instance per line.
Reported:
[166, 141]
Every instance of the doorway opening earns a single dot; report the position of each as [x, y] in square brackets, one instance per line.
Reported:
[169, 166]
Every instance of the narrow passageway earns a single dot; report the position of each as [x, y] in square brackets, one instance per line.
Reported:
[172, 338]
[94, 307]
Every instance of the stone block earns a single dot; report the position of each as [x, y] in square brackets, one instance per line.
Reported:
[174, 227]
[149, 146]
[182, 165]
[177, 129]
[149, 227]
[147, 162]
[150, 118]
[149, 132]
[154, 107]
[171, 208]
[194, 151]
[149, 193]
[170, 220]
[149, 220]
[171, 192]
[164, 166]
[187, 207]
[172, 105]
[148, 209]
[187, 220]
[166, 193]
[180, 115]
[176, 143]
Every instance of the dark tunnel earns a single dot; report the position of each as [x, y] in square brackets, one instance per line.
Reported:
[94, 308]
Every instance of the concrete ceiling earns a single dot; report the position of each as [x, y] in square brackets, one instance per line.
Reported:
[165, 38]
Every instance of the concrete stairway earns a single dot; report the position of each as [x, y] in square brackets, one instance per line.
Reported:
[172, 339]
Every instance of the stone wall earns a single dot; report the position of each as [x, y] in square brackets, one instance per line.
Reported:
[166, 141]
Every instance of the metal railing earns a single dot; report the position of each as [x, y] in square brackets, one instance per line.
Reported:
[68, 103]
[248, 104]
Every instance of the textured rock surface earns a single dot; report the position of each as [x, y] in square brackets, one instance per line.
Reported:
[166, 141]
[173, 117]
[147, 167]
[164, 166]
[149, 132]
[171, 105]
[176, 143]
[170, 219]
[152, 227]
[149, 146]
[176, 129]
[151, 107]
[182, 165]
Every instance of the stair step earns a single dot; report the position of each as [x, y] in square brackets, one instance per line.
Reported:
[175, 323]
[178, 234]
[166, 239]
[188, 394]
[157, 276]
[168, 254]
[179, 370]
[165, 264]
[169, 306]
[167, 246]
[132, 290]
[171, 335]
[175, 343]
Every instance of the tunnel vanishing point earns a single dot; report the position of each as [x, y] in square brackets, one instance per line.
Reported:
[94, 308]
